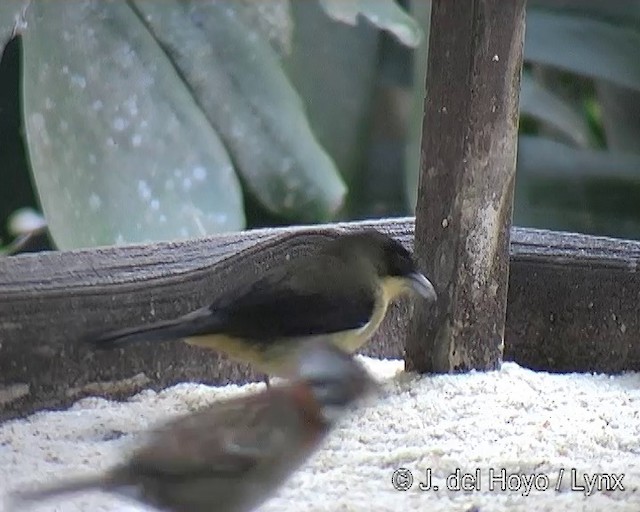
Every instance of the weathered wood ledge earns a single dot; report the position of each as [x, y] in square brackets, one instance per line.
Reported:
[572, 306]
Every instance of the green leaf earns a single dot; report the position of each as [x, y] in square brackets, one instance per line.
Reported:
[544, 105]
[421, 10]
[119, 150]
[619, 11]
[11, 19]
[621, 116]
[338, 108]
[540, 157]
[273, 19]
[385, 14]
[239, 83]
[584, 46]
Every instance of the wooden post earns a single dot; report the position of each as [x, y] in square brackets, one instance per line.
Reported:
[467, 172]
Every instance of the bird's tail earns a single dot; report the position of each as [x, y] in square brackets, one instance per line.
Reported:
[184, 326]
[20, 499]
[157, 332]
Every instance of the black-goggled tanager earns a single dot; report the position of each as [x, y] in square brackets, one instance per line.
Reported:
[342, 291]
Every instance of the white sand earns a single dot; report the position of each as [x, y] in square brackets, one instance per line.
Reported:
[526, 422]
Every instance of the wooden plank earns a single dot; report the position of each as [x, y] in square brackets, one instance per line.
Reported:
[467, 171]
[573, 306]
[573, 302]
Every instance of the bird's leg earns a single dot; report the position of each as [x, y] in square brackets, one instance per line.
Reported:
[265, 378]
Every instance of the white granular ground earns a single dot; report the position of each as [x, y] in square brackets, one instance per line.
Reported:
[535, 426]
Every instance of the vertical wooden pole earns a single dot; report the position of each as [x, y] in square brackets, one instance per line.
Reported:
[467, 172]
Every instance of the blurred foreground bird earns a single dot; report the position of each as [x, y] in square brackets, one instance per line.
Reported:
[342, 291]
[232, 455]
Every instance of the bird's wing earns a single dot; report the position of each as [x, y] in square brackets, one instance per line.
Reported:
[313, 297]
[285, 314]
[312, 300]
[226, 439]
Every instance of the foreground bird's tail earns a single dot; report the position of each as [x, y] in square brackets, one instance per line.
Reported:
[194, 323]
[20, 499]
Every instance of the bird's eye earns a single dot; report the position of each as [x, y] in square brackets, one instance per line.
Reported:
[331, 391]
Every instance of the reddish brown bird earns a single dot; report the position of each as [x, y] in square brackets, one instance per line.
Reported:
[231, 456]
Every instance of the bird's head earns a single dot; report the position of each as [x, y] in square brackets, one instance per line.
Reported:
[335, 378]
[393, 264]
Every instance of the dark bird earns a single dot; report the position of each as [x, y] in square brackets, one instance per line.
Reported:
[233, 455]
[342, 291]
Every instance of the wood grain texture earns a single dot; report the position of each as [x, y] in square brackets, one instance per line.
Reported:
[573, 306]
[467, 175]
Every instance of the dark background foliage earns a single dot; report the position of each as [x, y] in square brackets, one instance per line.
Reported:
[323, 122]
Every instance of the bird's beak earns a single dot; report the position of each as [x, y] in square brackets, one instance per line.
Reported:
[422, 286]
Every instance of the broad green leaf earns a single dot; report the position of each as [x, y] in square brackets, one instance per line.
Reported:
[543, 104]
[338, 106]
[584, 46]
[119, 150]
[385, 14]
[240, 85]
[271, 18]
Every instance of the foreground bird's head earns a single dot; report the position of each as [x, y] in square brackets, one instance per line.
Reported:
[392, 263]
[336, 379]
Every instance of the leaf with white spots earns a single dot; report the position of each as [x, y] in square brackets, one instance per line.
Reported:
[239, 83]
[119, 150]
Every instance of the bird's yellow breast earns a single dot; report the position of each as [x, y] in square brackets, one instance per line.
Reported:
[272, 358]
